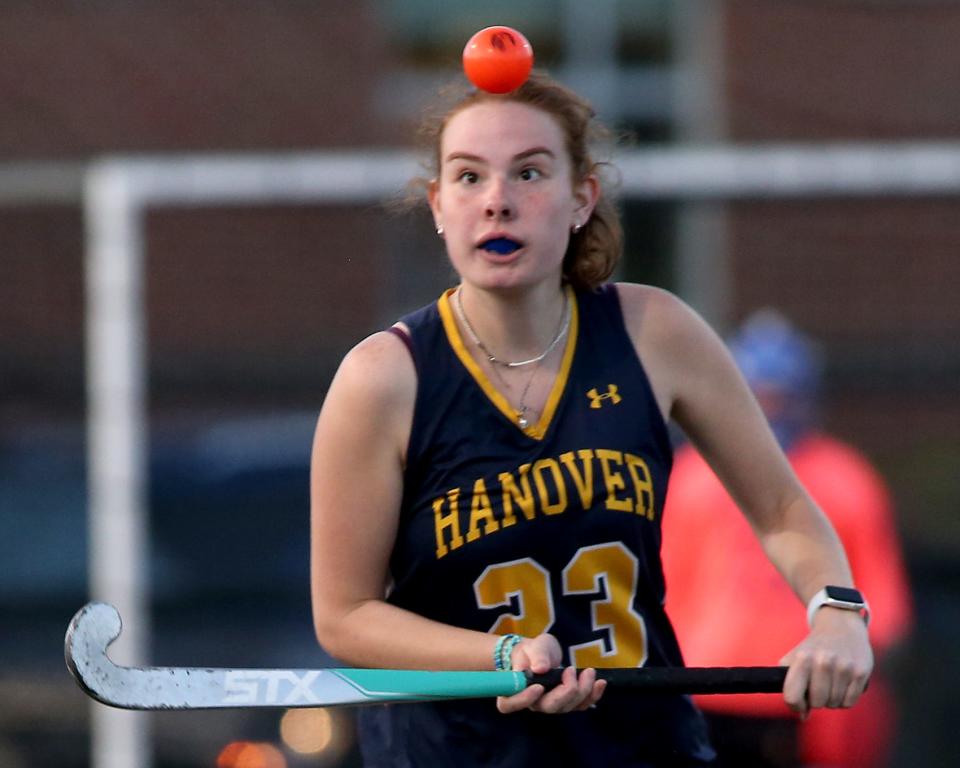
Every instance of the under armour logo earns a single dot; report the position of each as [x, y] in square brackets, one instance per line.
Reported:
[596, 399]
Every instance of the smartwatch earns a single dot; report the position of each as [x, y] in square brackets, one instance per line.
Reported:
[844, 598]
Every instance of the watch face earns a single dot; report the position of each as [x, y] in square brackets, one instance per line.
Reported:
[846, 594]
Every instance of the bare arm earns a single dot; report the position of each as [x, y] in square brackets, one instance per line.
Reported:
[697, 383]
[356, 487]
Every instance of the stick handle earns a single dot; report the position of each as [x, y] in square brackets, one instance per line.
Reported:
[684, 679]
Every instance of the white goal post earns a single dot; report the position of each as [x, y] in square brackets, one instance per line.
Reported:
[119, 190]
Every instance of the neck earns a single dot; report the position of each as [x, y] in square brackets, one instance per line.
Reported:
[515, 327]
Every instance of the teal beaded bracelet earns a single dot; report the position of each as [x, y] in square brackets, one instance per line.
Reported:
[503, 652]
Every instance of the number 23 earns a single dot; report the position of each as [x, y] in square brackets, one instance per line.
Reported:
[609, 571]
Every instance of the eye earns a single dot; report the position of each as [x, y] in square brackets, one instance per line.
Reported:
[530, 174]
[468, 177]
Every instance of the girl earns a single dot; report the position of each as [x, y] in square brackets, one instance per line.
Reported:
[488, 476]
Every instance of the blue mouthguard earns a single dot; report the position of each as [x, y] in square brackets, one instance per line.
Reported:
[501, 245]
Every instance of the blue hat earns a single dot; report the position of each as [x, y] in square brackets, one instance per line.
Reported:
[773, 354]
[776, 358]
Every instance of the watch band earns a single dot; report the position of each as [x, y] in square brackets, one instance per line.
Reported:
[845, 598]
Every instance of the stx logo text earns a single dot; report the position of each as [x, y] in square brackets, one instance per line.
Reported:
[281, 686]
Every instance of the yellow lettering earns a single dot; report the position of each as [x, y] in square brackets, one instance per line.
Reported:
[584, 482]
[643, 483]
[613, 480]
[608, 571]
[525, 581]
[548, 493]
[447, 522]
[554, 468]
[481, 511]
[523, 495]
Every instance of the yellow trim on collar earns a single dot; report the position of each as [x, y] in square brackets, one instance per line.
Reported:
[538, 430]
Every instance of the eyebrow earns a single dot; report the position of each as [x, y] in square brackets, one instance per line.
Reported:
[516, 158]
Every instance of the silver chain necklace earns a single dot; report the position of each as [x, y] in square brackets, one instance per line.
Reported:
[522, 407]
[561, 332]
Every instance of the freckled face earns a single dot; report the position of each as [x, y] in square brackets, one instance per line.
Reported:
[505, 195]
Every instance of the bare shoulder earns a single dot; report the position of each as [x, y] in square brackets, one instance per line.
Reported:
[655, 317]
[379, 368]
[675, 344]
[375, 381]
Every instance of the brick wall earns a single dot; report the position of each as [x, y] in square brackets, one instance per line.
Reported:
[83, 78]
[867, 69]
[241, 299]
[875, 280]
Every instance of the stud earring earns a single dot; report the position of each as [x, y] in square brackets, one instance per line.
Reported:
[576, 228]
[440, 229]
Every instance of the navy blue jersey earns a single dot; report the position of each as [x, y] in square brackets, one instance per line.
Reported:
[553, 528]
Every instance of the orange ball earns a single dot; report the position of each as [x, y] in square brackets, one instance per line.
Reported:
[497, 59]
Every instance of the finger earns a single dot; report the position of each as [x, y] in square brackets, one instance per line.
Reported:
[564, 697]
[820, 686]
[523, 700]
[842, 679]
[795, 685]
[854, 691]
[540, 663]
[599, 686]
[585, 683]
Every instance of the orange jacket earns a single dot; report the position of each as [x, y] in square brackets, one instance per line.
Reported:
[730, 607]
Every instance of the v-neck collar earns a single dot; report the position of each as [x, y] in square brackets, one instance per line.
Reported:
[538, 430]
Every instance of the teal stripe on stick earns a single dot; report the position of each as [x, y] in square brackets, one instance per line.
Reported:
[415, 685]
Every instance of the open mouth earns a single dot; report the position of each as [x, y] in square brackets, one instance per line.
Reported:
[501, 245]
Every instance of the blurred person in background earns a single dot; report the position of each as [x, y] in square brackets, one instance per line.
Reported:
[729, 605]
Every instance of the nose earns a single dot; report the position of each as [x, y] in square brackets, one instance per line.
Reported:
[498, 206]
[499, 212]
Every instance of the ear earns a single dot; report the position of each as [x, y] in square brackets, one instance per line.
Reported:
[433, 197]
[585, 196]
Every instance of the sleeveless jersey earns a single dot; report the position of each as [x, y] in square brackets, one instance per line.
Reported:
[553, 528]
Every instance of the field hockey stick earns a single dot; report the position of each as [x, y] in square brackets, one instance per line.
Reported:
[97, 625]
